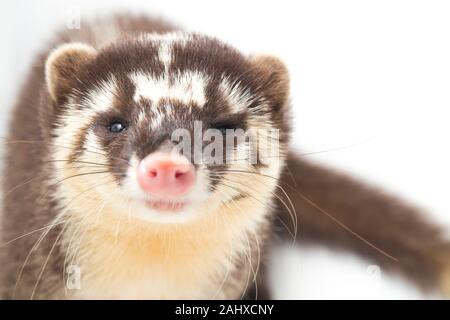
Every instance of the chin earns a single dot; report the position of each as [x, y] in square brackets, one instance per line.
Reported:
[166, 212]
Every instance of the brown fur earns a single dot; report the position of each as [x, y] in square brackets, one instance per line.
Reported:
[28, 180]
[394, 227]
[391, 225]
[26, 159]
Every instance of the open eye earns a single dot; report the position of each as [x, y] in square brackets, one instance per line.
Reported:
[116, 127]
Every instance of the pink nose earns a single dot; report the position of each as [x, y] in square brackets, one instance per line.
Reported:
[164, 174]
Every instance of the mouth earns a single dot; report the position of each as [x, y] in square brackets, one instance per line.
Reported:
[166, 206]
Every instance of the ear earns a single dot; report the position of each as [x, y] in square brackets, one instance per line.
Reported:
[63, 66]
[274, 77]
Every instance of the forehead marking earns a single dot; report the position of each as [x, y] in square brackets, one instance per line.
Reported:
[186, 87]
[165, 55]
[165, 42]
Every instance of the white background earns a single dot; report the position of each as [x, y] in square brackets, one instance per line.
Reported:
[370, 76]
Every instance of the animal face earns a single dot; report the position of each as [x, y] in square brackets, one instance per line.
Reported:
[166, 127]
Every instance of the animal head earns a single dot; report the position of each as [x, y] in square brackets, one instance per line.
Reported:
[166, 127]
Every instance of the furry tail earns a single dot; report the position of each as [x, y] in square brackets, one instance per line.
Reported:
[342, 213]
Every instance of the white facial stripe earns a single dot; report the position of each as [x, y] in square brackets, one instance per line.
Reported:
[238, 98]
[101, 99]
[187, 87]
[92, 143]
[76, 119]
[165, 43]
[165, 55]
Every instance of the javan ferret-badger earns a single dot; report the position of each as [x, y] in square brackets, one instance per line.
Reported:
[96, 185]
